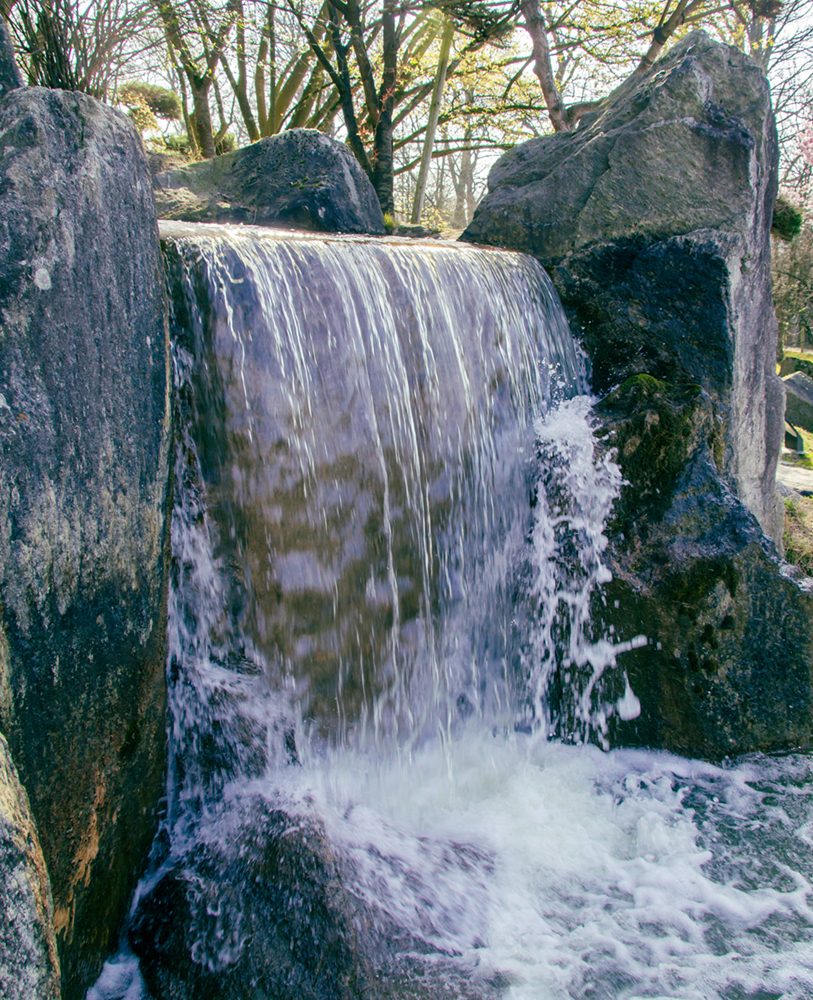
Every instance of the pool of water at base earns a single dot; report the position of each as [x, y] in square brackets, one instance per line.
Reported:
[556, 872]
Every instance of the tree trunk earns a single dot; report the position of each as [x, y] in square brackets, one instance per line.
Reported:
[384, 157]
[537, 29]
[273, 122]
[304, 105]
[665, 30]
[434, 111]
[240, 85]
[202, 116]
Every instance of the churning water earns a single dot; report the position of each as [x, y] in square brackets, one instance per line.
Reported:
[388, 529]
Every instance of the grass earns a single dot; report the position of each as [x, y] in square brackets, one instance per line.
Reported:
[798, 535]
[801, 461]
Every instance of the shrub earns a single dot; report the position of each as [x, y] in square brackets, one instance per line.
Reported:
[792, 280]
[161, 102]
[225, 144]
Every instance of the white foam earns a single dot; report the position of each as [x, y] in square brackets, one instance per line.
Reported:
[560, 867]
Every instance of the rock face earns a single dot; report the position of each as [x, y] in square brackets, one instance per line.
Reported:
[271, 919]
[84, 431]
[29, 966]
[653, 219]
[301, 179]
[799, 408]
[264, 907]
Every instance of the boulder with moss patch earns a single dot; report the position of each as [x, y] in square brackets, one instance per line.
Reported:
[799, 407]
[653, 218]
[694, 572]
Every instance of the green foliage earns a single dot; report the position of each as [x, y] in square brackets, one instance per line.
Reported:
[225, 144]
[389, 222]
[178, 144]
[143, 119]
[787, 219]
[800, 461]
[161, 102]
[792, 281]
[798, 535]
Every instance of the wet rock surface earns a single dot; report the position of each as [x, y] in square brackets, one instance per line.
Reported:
[653, 219]
[727, 668]
[84, 433]
[263, 906]
[300, 179]
[264, 914]
[29, 966]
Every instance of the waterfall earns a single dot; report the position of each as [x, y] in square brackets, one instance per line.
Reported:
[388, 699]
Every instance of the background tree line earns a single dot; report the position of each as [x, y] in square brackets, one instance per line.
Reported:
[426, 93]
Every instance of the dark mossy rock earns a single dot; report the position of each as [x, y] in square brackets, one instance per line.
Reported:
[85, 434]
[262, 913]
[728, 666]
[301, 179]
[791, 364]
[655, 428]
[29, 965]
[653, 218]
[263, 907]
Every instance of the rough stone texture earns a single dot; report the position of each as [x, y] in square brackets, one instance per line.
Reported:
[267, 919]
[159, 163]
[653, 220]
[263, 907]
[29, 966]
[84, 432]
[301, 179]
[10, 76]
[799, 406]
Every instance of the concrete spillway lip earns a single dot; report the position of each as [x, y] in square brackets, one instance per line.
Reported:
[795, 478]
[170, 229]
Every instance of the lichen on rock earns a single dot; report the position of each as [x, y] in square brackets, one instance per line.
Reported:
[29, 965]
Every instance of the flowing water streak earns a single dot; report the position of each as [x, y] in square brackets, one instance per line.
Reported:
[362, 416]
[576, 487]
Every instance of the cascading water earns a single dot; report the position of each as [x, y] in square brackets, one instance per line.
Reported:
[387, 533]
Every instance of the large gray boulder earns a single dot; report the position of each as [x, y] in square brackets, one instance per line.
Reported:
[799, 407]
[653, 220]
[84, 433]
[301, 179]
[29, 966]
